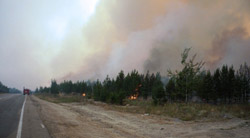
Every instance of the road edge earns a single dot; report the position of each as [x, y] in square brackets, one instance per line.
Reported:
[19, 131]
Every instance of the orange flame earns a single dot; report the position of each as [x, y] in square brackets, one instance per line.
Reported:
[134, 96]
[83, 94]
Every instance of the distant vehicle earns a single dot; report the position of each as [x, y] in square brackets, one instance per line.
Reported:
[26, 91]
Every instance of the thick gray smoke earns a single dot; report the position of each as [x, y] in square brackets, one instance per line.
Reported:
[231, 47]
[217, 31]
[40, 41]
[155, 43]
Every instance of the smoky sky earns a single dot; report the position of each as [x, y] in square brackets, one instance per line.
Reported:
[80, 40]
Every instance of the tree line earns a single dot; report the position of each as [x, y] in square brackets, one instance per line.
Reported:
[109, 90]
[3, 88]
[224, 85]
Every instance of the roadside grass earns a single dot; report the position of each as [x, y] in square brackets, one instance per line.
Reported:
[3, 92]
[194, 111]
[186, 111]
[183, 111]
[59, 98]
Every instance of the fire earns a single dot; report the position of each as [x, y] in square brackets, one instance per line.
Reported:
[83, 94]
[138, 87]
[134, 96]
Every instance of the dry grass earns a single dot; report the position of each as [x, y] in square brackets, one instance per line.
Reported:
[60, 98]
[190, 111]
[183, 111]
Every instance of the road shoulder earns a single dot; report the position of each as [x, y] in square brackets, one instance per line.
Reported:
[33, 126]
[88, 120]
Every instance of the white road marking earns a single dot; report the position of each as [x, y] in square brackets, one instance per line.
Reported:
[19, 131]
[42, 126]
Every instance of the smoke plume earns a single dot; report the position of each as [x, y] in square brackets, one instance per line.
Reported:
[117, 35]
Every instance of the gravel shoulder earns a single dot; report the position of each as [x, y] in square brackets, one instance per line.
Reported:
[93, 121]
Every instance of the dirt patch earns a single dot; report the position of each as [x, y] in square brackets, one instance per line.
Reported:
[78, 120]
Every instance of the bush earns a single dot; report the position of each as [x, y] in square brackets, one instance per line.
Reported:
[117, 98]
[158, 95]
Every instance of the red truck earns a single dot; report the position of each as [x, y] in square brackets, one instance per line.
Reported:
[26, 91]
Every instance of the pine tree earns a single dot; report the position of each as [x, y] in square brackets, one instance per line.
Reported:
[207, 87]
[152, 80]
[54, 87]
[97, 89]
[244, 73]
[104, 95]
[238, 88]
[66, 86]
[217, 85]
[224, 83]
[146, 86]
[170, 90]
[231, 84]
[158, 93]
[120, 81]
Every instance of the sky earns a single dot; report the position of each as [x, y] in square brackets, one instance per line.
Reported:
[89, 39]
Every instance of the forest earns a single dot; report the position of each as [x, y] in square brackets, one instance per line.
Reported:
[225, 85]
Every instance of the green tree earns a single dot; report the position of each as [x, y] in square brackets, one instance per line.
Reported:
[120, 80]
[97, 89]
[170, 90]
[187, 79]
[135, 82]
[244, 74]
[158, 93]
[224, 82]
[107, 87]
[231, 84]
[66, 86]
[217, 85]
[151, 83]
[146, 86]
[207, 87]
[54, 87]
[3, 88]
[238, 88]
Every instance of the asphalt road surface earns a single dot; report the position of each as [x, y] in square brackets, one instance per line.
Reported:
[15, 125]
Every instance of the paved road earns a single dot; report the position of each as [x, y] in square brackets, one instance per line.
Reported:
[10, 112]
